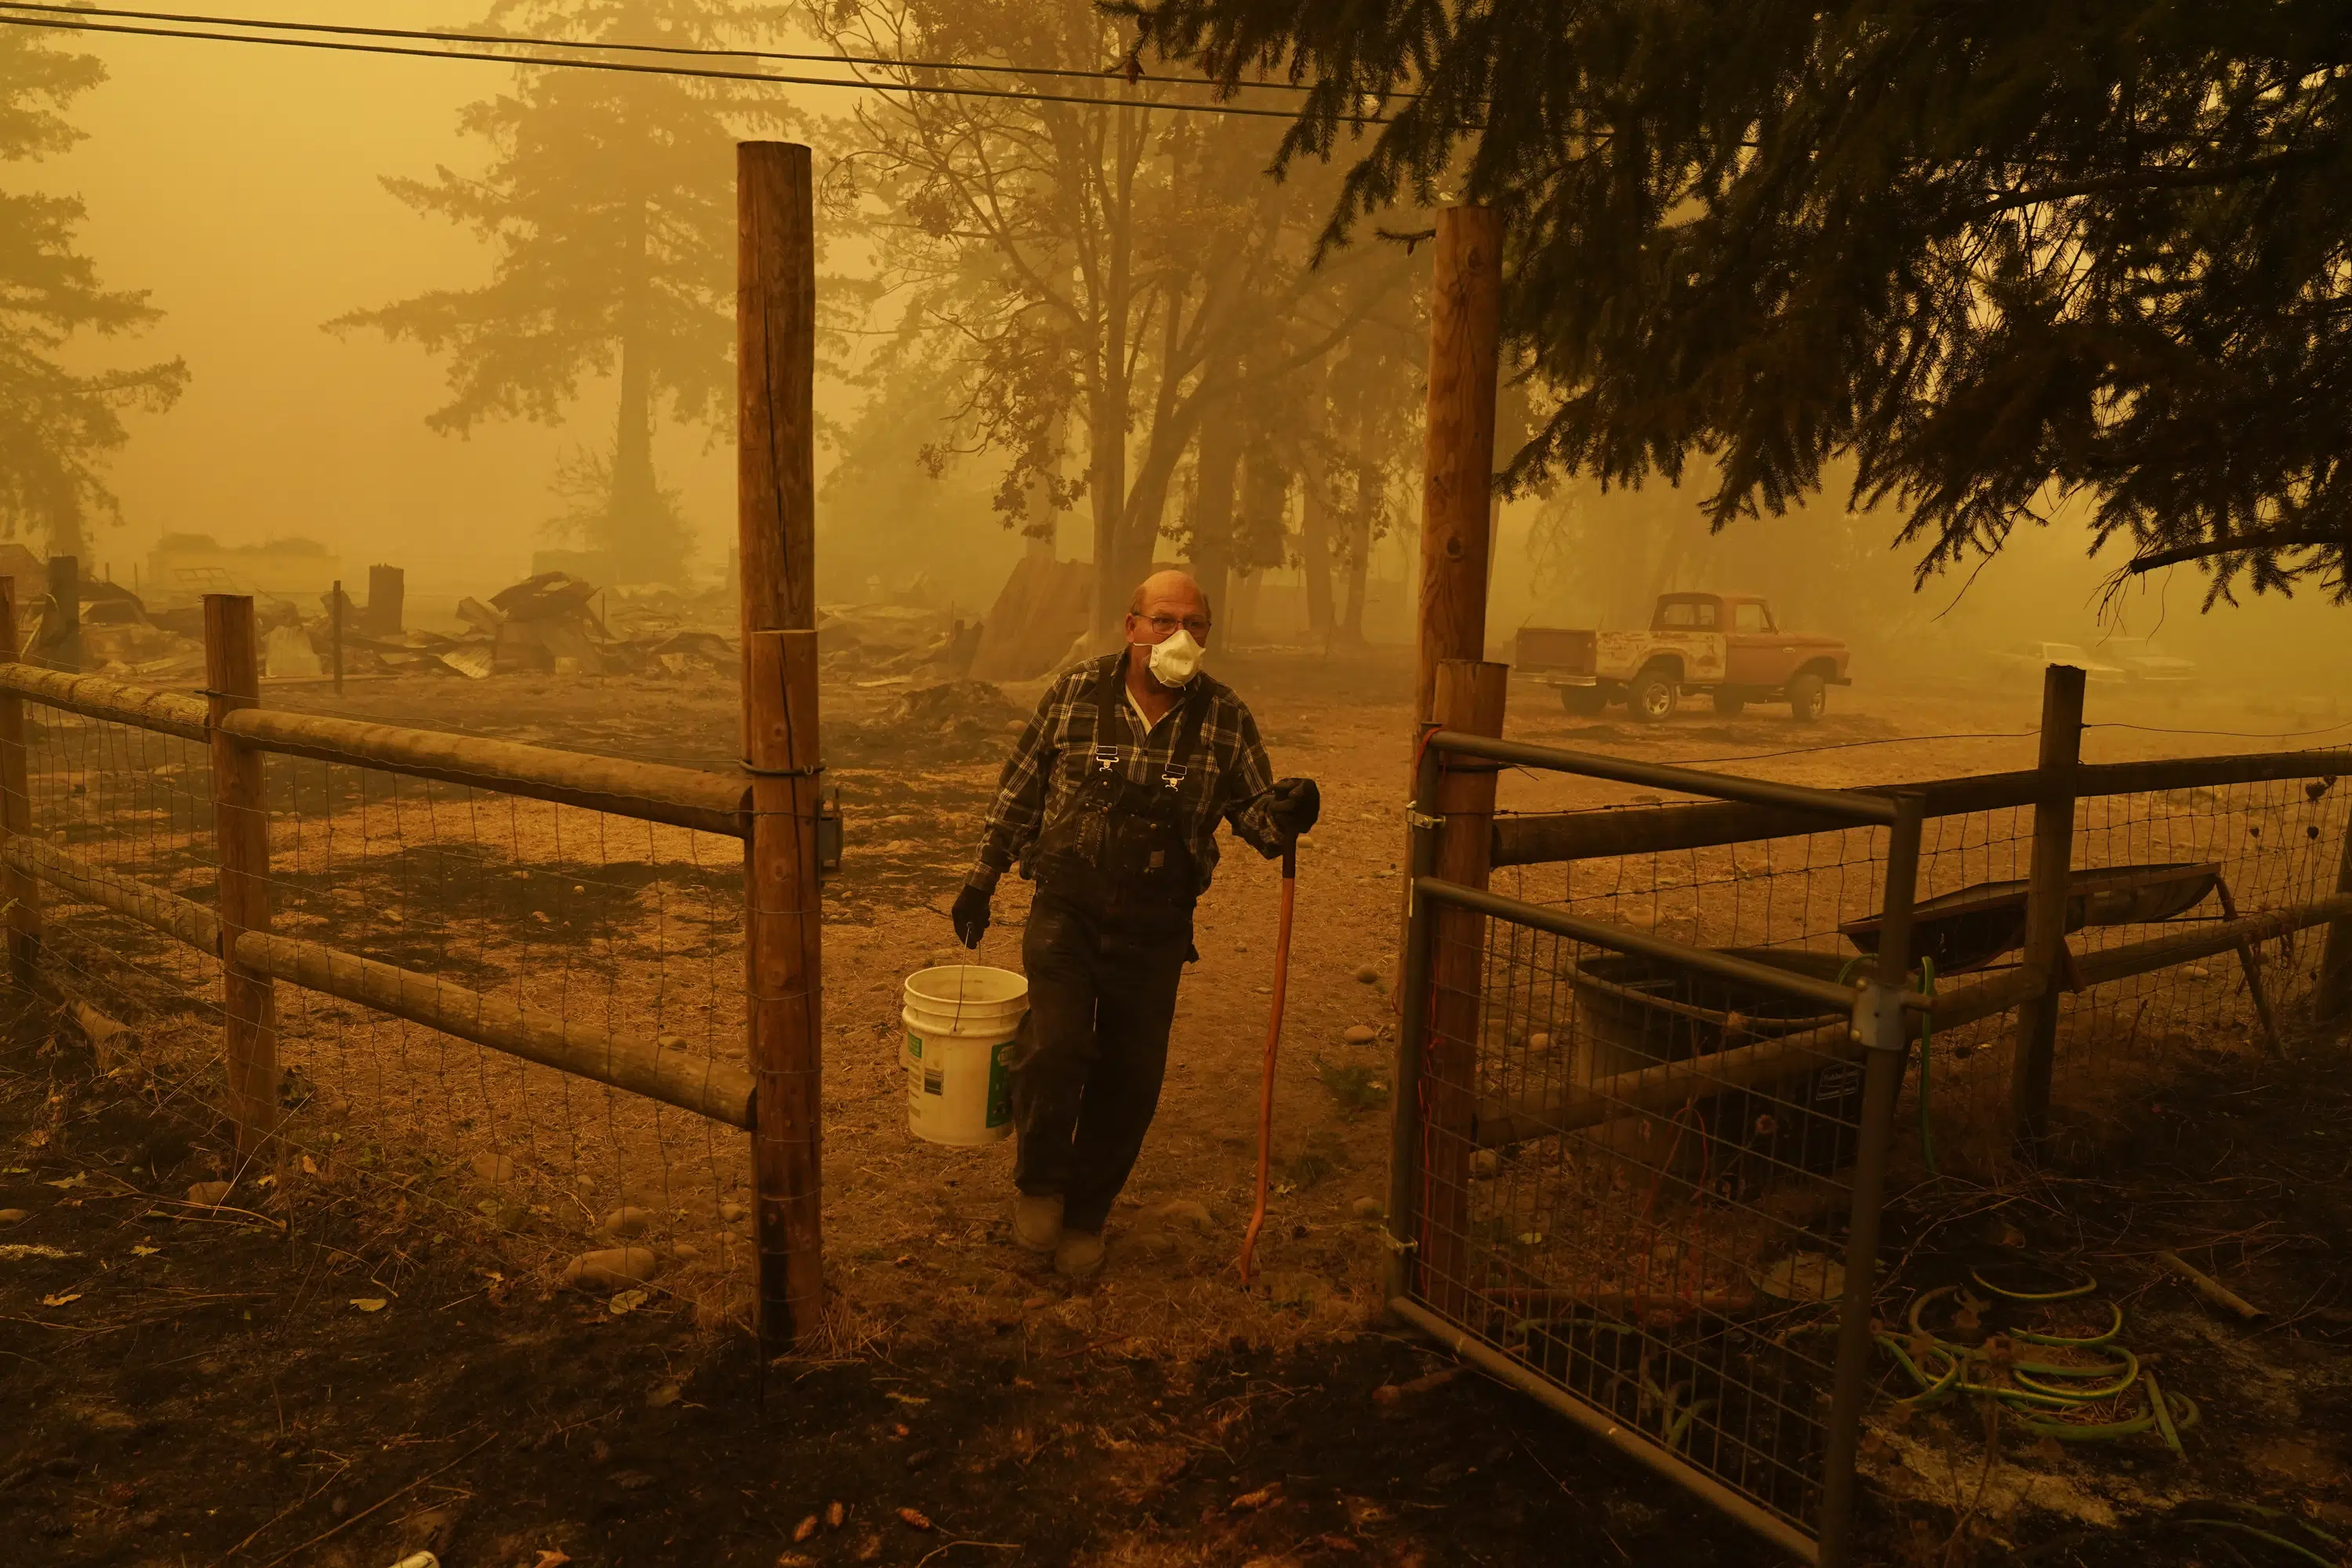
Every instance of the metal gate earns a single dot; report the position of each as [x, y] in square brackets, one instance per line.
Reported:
[1639, 1177]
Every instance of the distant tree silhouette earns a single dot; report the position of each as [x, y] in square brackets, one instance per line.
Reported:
[609, 208]
[1087, 273]
[58, 426]
[1978, 257]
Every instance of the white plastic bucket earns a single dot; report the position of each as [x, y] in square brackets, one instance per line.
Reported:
[960, 1017]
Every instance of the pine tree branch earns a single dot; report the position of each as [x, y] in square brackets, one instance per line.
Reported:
[2153, 180]
[2265, 543]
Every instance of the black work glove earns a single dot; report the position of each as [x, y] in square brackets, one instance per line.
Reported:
[970, 916]
[1295, 805]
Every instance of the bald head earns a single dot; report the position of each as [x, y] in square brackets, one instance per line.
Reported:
[1169, 593]
[1164, 602]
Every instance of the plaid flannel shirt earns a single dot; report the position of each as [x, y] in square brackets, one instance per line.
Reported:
[1229, 775]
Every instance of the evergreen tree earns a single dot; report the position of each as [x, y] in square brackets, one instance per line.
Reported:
[1993, 254]
[609, 207]
[58, 426]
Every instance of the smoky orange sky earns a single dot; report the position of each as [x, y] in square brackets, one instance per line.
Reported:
[240, 186]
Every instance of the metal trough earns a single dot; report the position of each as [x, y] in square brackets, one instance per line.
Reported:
[1639, 1010]
[1970, 927]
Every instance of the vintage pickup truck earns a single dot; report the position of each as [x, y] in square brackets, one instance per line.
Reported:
[1726, 645]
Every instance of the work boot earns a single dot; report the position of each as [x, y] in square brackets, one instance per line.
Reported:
[1080, 1255]
[1037, 1222]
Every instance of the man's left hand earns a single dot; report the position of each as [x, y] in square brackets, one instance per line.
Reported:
[1295, 805]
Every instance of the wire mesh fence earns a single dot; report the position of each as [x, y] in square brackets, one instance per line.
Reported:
[603, 926]
[1666, 1254]
[2238, 850]
[1638, 1173]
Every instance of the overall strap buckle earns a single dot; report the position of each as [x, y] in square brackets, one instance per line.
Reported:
[1106, 757]
[1174, 774]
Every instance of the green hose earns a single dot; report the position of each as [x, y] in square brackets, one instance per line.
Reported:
[2278, 1541]
[1941, 1368]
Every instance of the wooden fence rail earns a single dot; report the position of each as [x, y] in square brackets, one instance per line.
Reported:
[700, 1084]
[1666, 1087]
[1543, 836]
[651, 792]
[771, 806]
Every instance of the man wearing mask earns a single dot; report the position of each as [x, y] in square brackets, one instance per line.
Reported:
[1110, 802]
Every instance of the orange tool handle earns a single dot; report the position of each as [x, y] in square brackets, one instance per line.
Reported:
[1273, 1043]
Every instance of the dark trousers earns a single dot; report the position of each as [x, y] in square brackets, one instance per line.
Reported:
[1087, 1067]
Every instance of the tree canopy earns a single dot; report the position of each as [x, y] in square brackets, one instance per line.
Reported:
[57, 425]
[1080, 273]
[1996, 255]
[609, 206]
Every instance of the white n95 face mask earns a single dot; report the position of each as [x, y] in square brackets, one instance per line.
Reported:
[1177, 659]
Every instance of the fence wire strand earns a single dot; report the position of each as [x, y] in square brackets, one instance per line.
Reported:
[628, 931]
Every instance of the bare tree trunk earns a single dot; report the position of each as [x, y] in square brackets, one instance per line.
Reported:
[1042, 525]
[1107, 485]
[1218, 466]
[633, 533]
[1262, 526]
[630, 528]
[1315, 553]
[1107, 473]
[1356, 395]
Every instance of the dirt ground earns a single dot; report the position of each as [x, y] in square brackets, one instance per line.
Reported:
[201, 1389]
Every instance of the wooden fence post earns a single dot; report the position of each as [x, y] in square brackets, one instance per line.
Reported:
[1457, 471]
[1470, 696]
[22, 890]
[783, 935]
[61, 624]
[335, 634]
[2333, 998]
[1457, 479]
[241, 830]
[2045, 903]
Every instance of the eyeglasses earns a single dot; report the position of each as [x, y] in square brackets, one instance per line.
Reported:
[1165, 624]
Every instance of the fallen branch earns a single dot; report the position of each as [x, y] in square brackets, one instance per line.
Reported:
[2213, 1290]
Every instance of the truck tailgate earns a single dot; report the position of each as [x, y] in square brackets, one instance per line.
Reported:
[1554, 650]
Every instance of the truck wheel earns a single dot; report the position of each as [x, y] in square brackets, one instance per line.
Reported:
[1731, 704]
[1585, 702]
[1807, 696]
[1652, 697]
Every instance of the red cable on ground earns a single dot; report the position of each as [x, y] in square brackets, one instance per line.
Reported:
[1272, 1041]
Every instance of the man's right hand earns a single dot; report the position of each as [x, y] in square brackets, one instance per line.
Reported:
[970, 916]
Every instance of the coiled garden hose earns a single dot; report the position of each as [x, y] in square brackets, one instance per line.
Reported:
[2284, 1521]
[2035, 1391]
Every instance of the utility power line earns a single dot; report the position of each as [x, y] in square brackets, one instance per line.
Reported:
[438, 35]
[72, 19]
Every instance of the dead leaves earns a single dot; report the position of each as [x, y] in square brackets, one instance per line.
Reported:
[915, 1519]
[61, 1301]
